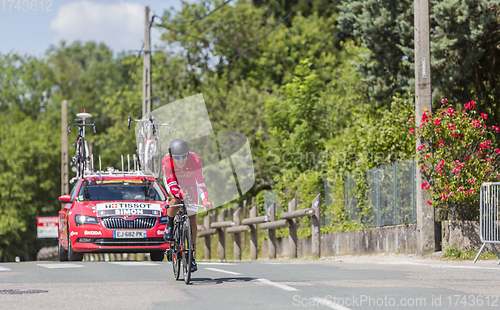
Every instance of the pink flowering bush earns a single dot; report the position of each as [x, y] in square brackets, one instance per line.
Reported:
[457, 156]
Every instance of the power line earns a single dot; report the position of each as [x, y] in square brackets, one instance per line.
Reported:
[187, 21]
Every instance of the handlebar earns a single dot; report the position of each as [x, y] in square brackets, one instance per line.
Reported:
[151, 120]
[79, 124]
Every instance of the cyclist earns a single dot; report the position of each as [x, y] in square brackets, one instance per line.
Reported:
[187, 173]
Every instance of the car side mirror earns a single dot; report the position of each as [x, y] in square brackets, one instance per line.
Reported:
[65, 199]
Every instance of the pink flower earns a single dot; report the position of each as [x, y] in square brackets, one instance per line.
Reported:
[475, 123]
[424, 185]
[484, 115]
[424, 116]
[411, 119]
[451, 194]
[473, 103]
[497, 150]
[450, 149]
[495, 128]
[467, 106]
[412, 130]
[470, 181]
[427, 156]
[443, 196]
[447, 188]
[468, 157]
[488, 159]
[425, 169]
[443, 101]
[420, 147]
[438, 129]
[441, 142]
[430, 203]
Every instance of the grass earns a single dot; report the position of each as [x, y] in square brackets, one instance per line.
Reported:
[454, 253]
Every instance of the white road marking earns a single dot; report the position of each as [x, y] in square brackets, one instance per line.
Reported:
[222, 264]
[4, 269]
[135, 263]
[263, 281]
[224, 271]
[56, 266]
[329, 303]
[281, 286]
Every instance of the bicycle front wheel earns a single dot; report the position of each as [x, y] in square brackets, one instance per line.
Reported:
[175, 251]
[176, 262]
[187, 250]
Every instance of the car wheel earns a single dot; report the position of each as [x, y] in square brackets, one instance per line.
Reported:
[72, 255]
[62, 253]
[156, 256]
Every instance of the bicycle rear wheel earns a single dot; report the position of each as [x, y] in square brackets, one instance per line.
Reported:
[187, 250]
[157, 157]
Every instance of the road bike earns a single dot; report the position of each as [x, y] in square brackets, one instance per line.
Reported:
[81, 159]
[149, 154]
[182, 248]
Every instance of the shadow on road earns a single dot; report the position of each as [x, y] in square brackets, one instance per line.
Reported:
[205, 281]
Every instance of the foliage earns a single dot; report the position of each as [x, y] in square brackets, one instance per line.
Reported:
[457, 156]
[453, 252]
[370, 140]
[462, 41]
[29, 180]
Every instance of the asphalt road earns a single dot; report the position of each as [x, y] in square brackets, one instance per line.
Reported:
[345, 282]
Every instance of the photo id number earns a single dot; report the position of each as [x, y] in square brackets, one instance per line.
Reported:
[26, 5]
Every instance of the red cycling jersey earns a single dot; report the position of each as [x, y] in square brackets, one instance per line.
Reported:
[190, 176]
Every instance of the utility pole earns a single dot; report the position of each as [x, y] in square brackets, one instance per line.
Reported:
[64, 148]
[425, 212]
[146, 80]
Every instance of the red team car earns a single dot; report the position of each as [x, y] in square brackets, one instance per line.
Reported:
[122, 212]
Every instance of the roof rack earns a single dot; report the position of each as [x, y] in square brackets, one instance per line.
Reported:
[111, 171]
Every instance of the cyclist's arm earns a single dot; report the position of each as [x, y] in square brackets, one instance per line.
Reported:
[200, 180]
[169, 179]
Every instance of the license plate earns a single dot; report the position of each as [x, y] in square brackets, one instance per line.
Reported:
[117, 234]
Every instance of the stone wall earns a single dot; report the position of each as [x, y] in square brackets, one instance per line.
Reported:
[390, 239]
[465, 234]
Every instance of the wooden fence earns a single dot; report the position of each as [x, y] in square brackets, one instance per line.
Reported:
[215, 224]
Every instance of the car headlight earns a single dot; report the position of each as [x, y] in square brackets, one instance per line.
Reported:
[84, 219]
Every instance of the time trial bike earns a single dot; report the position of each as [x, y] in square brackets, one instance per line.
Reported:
[182, 248]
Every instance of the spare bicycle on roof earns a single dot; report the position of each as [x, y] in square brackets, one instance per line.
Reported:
[81, 160]
[149, 154]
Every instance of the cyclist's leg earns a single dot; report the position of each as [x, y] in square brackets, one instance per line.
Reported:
[171, 212]
[194, 232]
[194, 228]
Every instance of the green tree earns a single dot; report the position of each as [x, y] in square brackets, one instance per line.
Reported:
[29, 180]
[464, 57]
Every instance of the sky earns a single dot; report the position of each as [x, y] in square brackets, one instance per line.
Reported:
[29, 30]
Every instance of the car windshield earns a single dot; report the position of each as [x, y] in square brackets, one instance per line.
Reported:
[120, 190]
